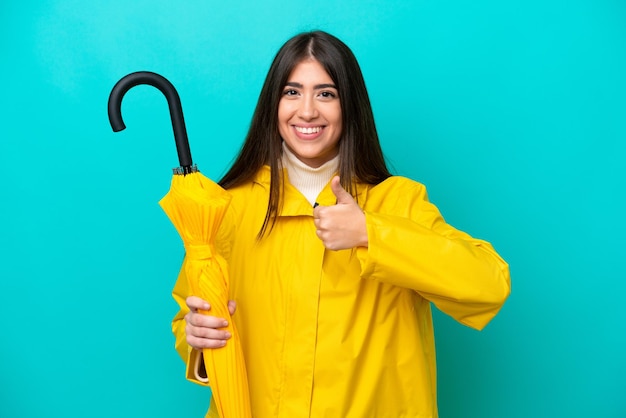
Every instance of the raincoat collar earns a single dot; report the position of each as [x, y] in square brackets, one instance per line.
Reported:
[294, 202]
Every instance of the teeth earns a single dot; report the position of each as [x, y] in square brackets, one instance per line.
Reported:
[308, 130]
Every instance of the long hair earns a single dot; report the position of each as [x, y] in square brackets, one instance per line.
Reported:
[360, 155]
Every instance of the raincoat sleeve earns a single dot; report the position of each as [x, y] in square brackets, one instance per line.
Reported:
[195, 371]
[410, 245]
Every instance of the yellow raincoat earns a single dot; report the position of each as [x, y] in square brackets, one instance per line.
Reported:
[347, 333]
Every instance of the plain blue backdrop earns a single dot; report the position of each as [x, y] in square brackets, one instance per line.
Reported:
[512, 113]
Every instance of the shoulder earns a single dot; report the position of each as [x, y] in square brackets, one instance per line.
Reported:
[246, 210]
[250, 197]
[396, 193]
[258, 184]
[398, 185]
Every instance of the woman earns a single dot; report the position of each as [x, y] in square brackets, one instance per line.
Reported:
[333, 262]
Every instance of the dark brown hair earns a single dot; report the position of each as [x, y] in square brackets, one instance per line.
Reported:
[360, 156]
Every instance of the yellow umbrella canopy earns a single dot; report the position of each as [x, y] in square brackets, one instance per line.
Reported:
[196, 206]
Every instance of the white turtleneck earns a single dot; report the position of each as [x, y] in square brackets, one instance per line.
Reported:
[308, 180]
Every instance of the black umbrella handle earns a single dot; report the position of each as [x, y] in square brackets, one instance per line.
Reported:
[173, 101]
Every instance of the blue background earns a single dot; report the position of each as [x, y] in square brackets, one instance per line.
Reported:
[512, 113]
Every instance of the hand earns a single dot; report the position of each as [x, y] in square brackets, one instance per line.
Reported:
[341, 226]
[202, 330]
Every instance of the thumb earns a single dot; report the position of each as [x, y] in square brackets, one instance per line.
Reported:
[340, 193]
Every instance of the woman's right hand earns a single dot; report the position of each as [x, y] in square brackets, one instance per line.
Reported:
[202, 330]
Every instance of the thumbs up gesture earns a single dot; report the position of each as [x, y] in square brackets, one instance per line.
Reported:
[341, 226]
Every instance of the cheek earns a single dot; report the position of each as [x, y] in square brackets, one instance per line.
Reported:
[282, 122]
[285, 111]
[337, 120]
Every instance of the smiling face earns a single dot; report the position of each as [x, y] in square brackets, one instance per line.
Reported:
[309, 114]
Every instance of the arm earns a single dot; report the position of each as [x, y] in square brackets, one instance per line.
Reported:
[410, 245]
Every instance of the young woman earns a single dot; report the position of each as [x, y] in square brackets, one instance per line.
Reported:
[333, 262]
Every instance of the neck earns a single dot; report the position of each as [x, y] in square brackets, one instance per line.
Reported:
[308, 180]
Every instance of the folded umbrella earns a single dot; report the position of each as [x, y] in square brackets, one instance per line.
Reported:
[196, 206]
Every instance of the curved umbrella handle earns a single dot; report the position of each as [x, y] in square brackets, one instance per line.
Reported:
[173, 101]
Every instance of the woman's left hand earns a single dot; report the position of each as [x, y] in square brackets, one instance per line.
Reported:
[342, 225]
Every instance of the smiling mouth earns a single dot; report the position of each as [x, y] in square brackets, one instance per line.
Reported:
[308, 130]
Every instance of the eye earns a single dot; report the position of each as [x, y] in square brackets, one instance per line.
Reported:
[289, 92]
[328, 94]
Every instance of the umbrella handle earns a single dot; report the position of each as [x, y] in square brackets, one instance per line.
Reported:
[173, 101]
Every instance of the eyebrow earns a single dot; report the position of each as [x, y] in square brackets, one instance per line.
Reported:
[316, 87]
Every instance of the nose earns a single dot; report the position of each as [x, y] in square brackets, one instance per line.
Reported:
[308, 108]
